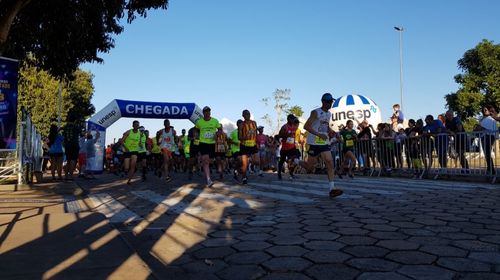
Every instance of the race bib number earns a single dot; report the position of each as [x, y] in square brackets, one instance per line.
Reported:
[249, 143]
[349, 143]
[209, 135]
[319, 141]
[290, 140]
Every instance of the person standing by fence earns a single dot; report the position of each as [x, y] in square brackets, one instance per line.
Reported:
[56, 152]
[456, 129]
[488, 126]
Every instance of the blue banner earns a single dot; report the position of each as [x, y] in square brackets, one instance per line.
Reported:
[8, 102]
[155, 110]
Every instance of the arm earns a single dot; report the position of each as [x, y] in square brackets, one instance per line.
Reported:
[308, 126]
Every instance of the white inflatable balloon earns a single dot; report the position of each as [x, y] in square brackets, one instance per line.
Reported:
[356, 108]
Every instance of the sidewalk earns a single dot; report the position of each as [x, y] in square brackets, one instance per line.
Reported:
[41, 239]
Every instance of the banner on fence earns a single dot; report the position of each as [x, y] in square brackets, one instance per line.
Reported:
[8, 102]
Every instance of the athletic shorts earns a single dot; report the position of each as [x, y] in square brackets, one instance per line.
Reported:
[194, 150]
[245, 150]
[72, 152]
[236, 154]
[316, 150]
[129, 154]
[141, 156]
[289, 154]
[207, 149]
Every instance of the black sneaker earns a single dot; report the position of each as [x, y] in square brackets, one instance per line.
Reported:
[279, 177]
[168, 179]
[335, 192]
[244, 181]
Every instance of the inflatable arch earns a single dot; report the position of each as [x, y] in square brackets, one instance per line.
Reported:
[117, 109]
[355, 107]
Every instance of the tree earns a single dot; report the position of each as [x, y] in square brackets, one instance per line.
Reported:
[296, 110]
[280, 96]
[36, 84]
[63, 34]
[480, 81]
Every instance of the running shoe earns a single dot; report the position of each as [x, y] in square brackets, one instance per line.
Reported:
[168, 179]
[335, 192]
[210, 183]
[244, 181]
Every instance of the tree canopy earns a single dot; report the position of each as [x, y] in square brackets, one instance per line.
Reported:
[38, 93]
[479, 82]
[64, 33]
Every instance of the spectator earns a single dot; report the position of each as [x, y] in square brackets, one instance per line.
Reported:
[71, 133]
[56, 152]
[90, 150]
[397, 117]
[436, 129]
[488, 126]
[456, 129]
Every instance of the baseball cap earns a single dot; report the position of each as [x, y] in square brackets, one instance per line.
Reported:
[141, 128]
[327, 97]
[206, 108]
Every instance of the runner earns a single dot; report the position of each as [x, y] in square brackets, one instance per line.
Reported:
[167, 145]
[318, 126]
[288, 149]
[262, 147]
[156, 156]
[131, 139]
[235, 150]
[349, 138]
[247, 134]
[208, 127]
[194, 148]
[220, 151]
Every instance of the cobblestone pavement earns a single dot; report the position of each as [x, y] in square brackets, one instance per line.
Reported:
[381, 228]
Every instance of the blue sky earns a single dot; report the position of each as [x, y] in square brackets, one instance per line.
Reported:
[229, 54]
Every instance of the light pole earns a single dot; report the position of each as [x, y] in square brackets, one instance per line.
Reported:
[400, 30]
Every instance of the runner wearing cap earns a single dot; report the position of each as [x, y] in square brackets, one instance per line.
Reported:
[318, 126]
[208, 127]
[167, 145]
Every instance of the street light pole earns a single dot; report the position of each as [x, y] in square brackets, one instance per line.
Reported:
[400, 30]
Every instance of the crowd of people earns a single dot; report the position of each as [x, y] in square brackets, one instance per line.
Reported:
[206, 147]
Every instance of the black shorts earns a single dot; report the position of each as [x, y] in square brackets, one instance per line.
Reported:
[289, 154]
[141, 156]
[316, 150]
[245, 150]
[72, 152]
[129, 154]
[236, 154]
[207, 149]
[194, 150]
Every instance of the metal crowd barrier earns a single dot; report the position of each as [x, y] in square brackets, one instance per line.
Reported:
[29, 151]
[426, 156]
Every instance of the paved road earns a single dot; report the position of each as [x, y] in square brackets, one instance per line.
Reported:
[381, 228]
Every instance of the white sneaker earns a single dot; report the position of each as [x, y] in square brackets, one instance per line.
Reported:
[210, 183]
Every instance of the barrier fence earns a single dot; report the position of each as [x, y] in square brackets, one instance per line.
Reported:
[19, 165]
[444, 154]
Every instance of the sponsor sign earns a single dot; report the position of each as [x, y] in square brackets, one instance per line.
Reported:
[356, 108]
[8, 102]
